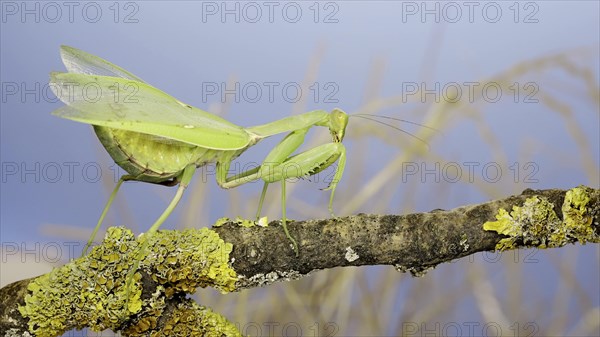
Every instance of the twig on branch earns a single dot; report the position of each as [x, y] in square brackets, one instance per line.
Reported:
[90, 291]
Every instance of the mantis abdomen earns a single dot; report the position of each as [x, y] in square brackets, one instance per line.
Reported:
[155, 159]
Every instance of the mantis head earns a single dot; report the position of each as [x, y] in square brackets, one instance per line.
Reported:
[338, 120]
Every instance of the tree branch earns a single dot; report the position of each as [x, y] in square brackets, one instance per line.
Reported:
[90, 291]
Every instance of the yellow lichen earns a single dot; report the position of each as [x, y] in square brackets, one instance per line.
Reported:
[91, 291]
[577, 219]
[87, 292]
[262, 222]
[530, 224]
[536, 224]
[221, 221]
[185, 260]
[190, 319]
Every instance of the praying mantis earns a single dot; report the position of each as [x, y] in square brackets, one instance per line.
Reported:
[158, 139]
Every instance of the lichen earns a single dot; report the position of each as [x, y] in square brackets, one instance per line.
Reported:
[185, 260]
[260, 279]
[463, 242]
[190, 319]
[147, 320]
[262, 222]
[351, 255]
[535, 224]
[91, 291]
[577, 219]
[87, 292]
[221, 221]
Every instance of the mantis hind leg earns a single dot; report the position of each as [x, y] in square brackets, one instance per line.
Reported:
[109, 203]
[105, 211]
[185, 179]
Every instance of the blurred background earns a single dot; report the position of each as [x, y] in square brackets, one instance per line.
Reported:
[511, 87]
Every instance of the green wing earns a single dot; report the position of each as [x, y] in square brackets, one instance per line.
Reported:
[135, 106]
[122, 101]
[80, 62]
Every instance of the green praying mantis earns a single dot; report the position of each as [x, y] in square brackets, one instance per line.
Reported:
[158, 139]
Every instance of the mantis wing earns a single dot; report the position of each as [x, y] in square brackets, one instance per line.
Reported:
[136, 106]
[80, 62]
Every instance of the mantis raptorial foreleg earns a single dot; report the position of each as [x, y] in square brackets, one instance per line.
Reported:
[279, 165]
[305, 164]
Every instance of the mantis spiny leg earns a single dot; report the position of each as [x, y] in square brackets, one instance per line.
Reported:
[104, 212]
[284, 218]
[262, 199]
[184, 179]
